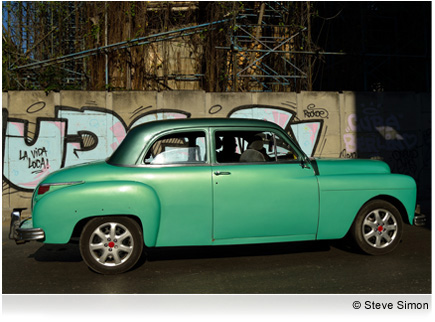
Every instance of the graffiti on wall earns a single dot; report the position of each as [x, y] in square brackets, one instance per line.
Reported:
[376, 132]
[34, 146]
[373, 133]
[78, 135]
[306, 133]
[73, 136]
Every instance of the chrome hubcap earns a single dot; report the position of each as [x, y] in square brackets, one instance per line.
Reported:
[379, 228]
[111, 244]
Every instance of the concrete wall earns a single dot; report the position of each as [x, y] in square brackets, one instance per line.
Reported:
[45, 132]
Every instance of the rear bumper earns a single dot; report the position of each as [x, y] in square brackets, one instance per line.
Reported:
[22, 230]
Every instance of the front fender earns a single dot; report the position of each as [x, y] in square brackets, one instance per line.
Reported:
[58, 212]
[341, 197]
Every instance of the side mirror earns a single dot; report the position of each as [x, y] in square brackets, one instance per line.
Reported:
[305, 163]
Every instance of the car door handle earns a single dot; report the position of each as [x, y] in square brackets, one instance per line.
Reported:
[222, 173]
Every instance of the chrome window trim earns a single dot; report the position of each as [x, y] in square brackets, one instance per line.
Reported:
[141, 161]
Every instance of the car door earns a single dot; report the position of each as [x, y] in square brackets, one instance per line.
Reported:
[261, 198]
[177, 167]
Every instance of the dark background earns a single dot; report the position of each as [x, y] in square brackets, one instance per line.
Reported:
[388, 46]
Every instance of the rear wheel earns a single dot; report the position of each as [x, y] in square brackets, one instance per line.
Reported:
[111, 245]
[377, 229]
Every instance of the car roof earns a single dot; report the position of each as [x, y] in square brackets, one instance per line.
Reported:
[162, 125]
[138, 136]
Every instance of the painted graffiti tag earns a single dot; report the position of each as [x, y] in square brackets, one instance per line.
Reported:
[405, 161]
[35, 107]
[346, 155]
[313, 111]
[30, 161]
[215, 109]
[37, 159]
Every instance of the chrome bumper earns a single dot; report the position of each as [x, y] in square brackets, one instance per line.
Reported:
[22, 230]
[419, 218]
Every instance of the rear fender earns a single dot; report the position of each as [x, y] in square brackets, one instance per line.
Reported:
[58, 212]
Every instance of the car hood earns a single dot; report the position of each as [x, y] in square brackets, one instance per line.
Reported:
[349, 166]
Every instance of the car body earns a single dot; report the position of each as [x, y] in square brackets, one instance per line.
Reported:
[214, 182]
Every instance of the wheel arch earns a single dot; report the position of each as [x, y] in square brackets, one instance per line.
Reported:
[78, 228]
[395, 202]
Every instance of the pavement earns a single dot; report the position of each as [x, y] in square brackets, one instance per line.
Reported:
[324, 267]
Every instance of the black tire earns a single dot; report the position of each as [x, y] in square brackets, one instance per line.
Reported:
[112, 244]
[377, 228]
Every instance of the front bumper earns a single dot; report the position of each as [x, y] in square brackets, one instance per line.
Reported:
[22, 230]
[419, 218]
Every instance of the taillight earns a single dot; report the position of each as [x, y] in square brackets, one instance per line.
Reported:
[43, 189]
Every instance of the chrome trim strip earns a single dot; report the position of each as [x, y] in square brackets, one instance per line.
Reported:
[62, 183]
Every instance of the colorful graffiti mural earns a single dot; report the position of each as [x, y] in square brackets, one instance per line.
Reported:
[73, 136]
[306, 133]
[78, 135]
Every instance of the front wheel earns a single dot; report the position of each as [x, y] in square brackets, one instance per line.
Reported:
[377, 228]
[111, 245]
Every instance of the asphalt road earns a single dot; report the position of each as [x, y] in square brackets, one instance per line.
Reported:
[285, 268]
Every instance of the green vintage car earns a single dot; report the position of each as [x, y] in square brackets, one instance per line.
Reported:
[214, 182]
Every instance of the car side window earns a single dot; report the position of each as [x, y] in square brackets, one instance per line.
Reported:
[228, 147]
[252, 146]
[178, 148]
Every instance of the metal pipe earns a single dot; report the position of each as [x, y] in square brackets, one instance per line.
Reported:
[105, 44]
[298, 52]
[273, 49]
[124, 44]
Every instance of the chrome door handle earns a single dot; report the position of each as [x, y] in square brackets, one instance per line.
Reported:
[222, 173]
